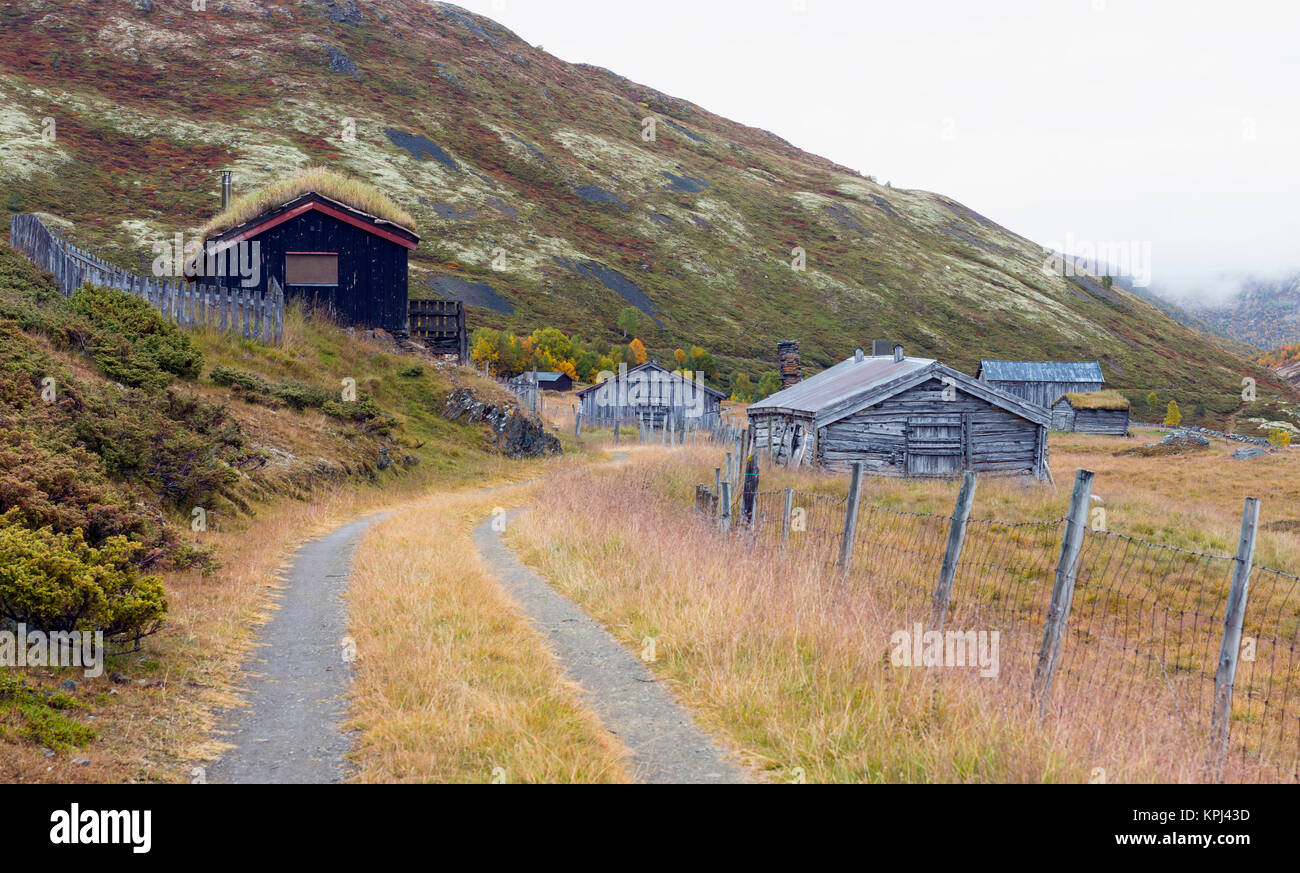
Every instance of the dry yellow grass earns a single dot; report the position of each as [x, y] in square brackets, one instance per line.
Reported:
[322, 180]
[775, 652]
[452, 683]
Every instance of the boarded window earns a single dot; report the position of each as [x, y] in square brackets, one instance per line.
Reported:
[315, 268]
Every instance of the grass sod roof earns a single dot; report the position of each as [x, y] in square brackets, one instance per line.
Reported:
[348, 190]
[1109, 400]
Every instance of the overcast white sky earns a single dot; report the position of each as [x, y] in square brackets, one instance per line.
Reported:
[1173, 123]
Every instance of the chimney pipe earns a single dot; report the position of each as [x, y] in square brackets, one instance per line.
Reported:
[857, 355]
[227, 189]
[898, 353]
[787, 359]
[879, 348]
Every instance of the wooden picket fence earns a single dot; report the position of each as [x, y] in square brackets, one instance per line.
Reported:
[250, 312]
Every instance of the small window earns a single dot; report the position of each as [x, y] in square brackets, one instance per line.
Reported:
[311, 268]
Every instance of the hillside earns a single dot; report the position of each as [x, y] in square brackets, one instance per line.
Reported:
[539, 201]
[1264, 314]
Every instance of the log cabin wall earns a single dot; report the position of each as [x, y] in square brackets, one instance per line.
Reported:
[1104, 421]
[918, 433]
[671, 399]
[1044, 393]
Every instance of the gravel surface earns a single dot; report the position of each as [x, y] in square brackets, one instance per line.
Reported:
[666, 745]
[291, 730]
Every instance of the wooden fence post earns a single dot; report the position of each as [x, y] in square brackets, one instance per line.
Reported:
[577, 425]
[717, 480]
[1058, 612]
[850, 518]
[749, 492]
[786, 512]
[1226, 675]
[617, 425]
[724, 507]
[952, 553]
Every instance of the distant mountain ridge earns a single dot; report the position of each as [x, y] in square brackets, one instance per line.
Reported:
[1265, 313]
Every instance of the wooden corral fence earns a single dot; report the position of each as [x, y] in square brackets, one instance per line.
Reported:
[439, 325]
[1203, 648]
[251, 313]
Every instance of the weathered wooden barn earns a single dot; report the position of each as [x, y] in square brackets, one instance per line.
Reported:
[902, 416]
[1041, 382]
[1096, 412]
[323, 250]
[650, 394]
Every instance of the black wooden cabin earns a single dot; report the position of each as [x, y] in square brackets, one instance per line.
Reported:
[322, 250]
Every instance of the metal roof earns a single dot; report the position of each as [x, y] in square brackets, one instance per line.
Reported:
[852, 385]
[1040, 371]
[655, 365]
[839, 383]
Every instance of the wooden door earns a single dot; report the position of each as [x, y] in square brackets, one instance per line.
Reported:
[935, 445]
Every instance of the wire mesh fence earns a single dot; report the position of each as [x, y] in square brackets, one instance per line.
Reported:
[1145, 621]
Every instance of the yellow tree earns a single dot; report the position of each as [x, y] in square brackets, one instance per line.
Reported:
[681, 359]
[637, 348]
[486, 348]
[1172, 415]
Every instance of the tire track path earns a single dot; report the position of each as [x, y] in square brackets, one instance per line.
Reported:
[666, 744]
[291, 730]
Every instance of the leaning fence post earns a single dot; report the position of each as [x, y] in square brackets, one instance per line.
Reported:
[850, 518]
[577, 425]
[1058, 612]
[952, 554]
[724, 507]
[786, 512]
[1226, 675]
[749, 492]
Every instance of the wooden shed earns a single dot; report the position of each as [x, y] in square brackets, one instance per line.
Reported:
[650, 394]
[902, 416]
[550, 381]
[1097, 412]
[1041, 382]
[322, 249]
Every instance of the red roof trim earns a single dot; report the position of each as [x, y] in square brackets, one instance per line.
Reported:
[263, 226]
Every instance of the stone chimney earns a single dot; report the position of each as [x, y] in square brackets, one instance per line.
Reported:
[880, 348]
[787, 358]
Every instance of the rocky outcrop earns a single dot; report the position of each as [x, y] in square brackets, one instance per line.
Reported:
[516, 433]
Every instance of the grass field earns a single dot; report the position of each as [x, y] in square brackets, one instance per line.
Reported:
[792, 665]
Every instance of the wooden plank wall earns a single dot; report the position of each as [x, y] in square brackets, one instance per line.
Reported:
[1044, 394]
[251, 312]
[1106, 421]
[440, 325]
[982, 437]
[372, 288]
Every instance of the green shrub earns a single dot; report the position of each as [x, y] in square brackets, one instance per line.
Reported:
[178, 446]
[132, 342]
[45, 714]
[414, 371]
[229, 377]
[300, 395]
[58, 582]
